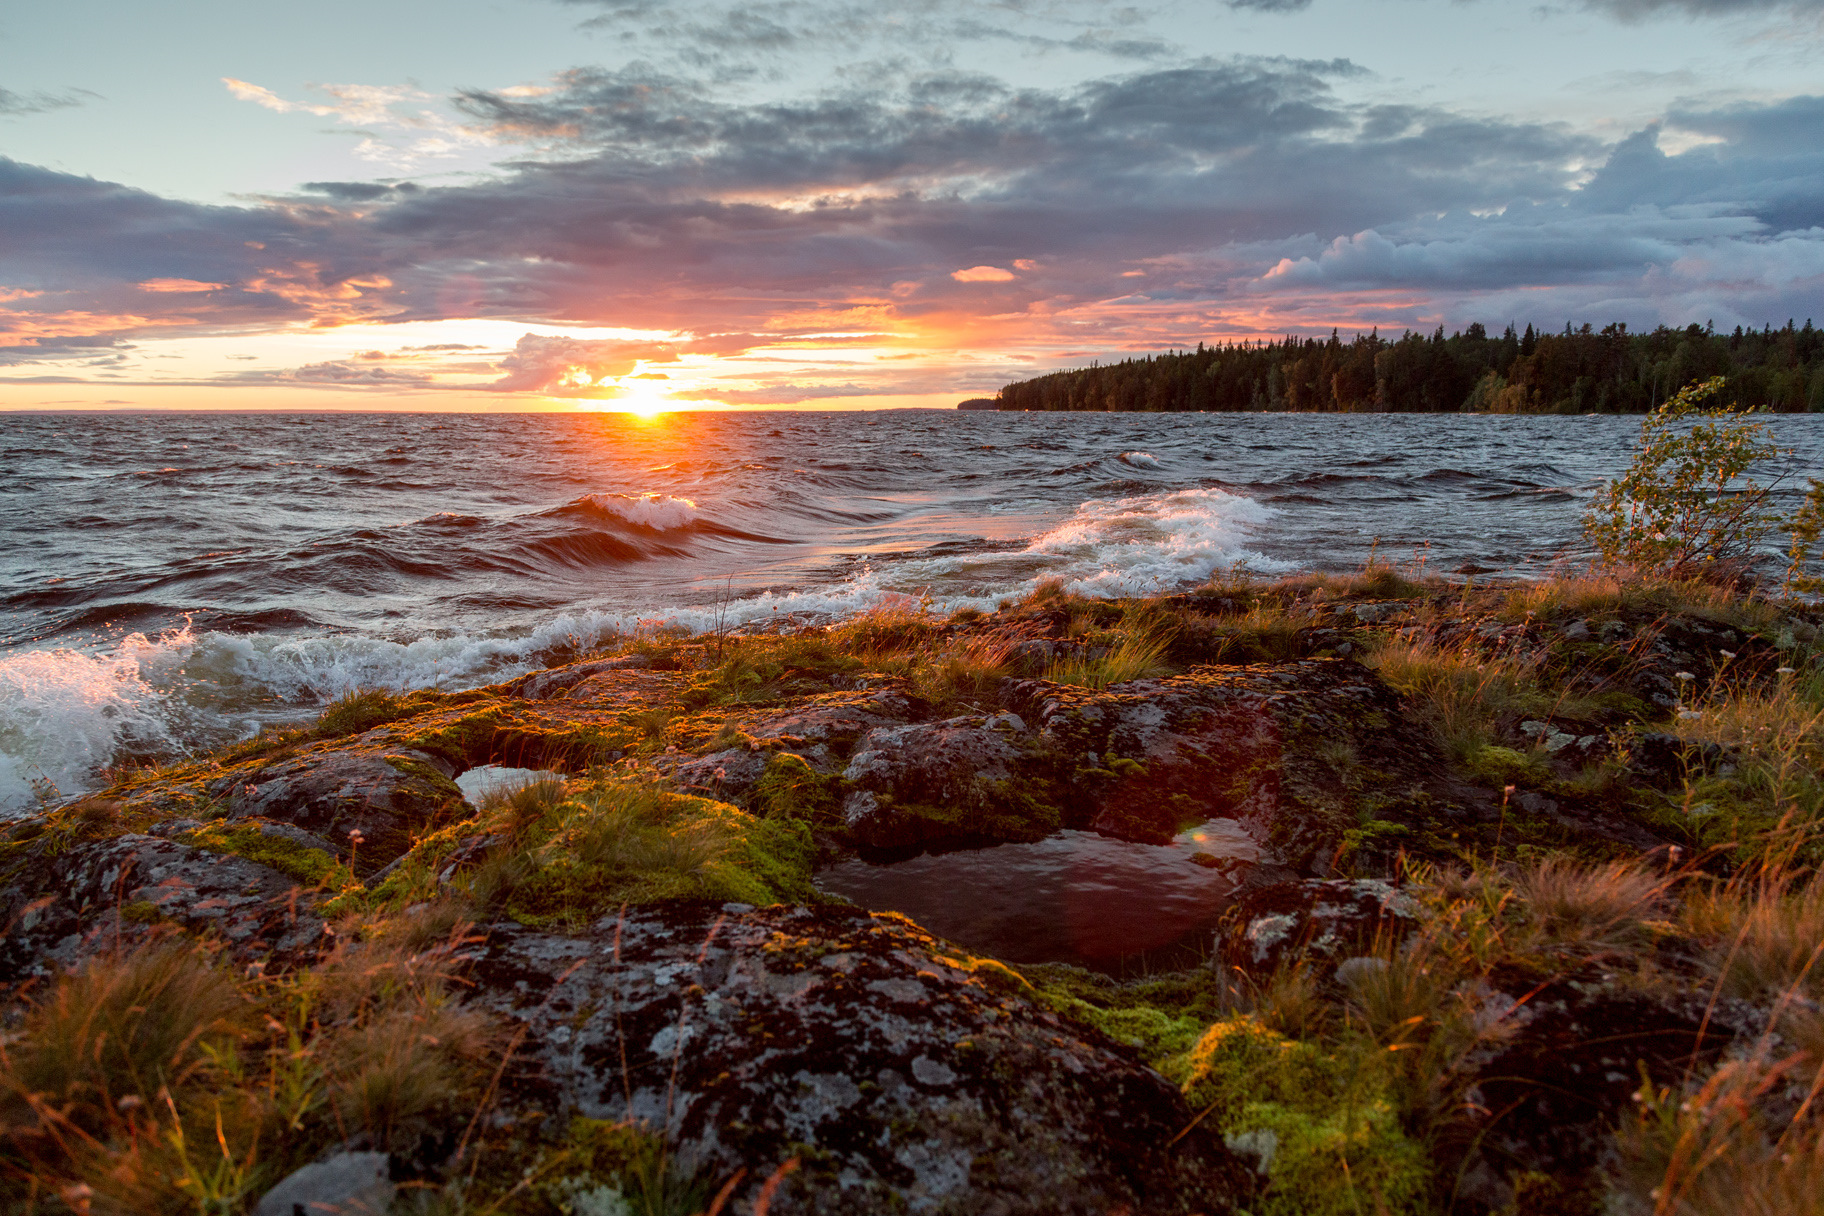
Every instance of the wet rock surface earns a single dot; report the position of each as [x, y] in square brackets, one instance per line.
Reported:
[901, 1076]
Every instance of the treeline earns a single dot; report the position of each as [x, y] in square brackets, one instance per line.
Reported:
[1578, 371]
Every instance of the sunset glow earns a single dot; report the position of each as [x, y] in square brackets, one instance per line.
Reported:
[768, 229]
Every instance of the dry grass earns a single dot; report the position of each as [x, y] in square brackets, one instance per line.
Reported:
[1762, 935]
[157, 1082]
[122, 1029]
[1612, 593]
[1771, 807]
[1138, 657]
[1596, 907]
[962, 674]
[1460, 695]
[1736, 1146]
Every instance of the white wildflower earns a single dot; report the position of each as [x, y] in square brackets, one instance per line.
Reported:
[1683, 675]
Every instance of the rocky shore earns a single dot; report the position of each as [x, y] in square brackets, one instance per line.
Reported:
[1502, 841]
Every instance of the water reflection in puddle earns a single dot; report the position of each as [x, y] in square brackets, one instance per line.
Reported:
[1075, 897]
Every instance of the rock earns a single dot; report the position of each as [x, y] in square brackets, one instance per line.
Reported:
[952, 779]
[97, 894]
[835, 721]
[1567, 1064]
[901, 1076]
[1667, 759]
[348, 1184]
[1576, 631]
[387, 796]
[1276, 747]
[1318, 920]
[726, 775]
[543, 685]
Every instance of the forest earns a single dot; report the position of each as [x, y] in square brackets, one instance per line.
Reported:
[1579, 371]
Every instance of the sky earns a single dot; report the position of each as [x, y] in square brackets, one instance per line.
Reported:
[688, 204]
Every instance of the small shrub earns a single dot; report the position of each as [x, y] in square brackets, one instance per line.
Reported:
[1686, 502]
[1806, 527]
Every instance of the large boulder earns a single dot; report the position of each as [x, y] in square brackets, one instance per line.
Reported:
[901, 1076]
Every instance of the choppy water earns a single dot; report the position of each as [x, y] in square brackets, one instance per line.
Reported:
[171, 581]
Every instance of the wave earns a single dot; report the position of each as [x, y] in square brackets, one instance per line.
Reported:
[655, 512]
[65, 714]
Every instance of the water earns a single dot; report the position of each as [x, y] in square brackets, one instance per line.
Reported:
[170, 582]
[1074, 897]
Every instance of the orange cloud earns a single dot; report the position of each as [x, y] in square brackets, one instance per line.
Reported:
[982, 274]
[162, 285]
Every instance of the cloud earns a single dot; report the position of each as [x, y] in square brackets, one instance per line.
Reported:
[562, 366]
[424, 131]
[983, 274]
[167, 286]
[1641, 10]
[1141, 208]
[39, 102]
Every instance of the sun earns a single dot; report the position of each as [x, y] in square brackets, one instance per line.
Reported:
[645, 398]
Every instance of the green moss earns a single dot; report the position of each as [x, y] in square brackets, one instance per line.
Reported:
[141, 912]
[1504, 764]
[790, 788]
[312, 867]
[1326, 1137]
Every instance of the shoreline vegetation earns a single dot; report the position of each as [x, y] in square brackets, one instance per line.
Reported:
[1532, 920]
[1580, 370]
[1539, 932]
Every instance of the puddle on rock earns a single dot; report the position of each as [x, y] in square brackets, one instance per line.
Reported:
[484, 780]
[1075, 897]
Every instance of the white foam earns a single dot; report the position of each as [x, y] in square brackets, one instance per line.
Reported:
[1154, 543]
[65, 714]
[1144, 460]
[660, 512]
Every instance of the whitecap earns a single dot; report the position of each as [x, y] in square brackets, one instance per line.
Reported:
[660, 512]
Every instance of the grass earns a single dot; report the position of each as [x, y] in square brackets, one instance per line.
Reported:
[1762, 934]
[156, 1081]
[1138, 657]
[570, 854]
[1353, 1093]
